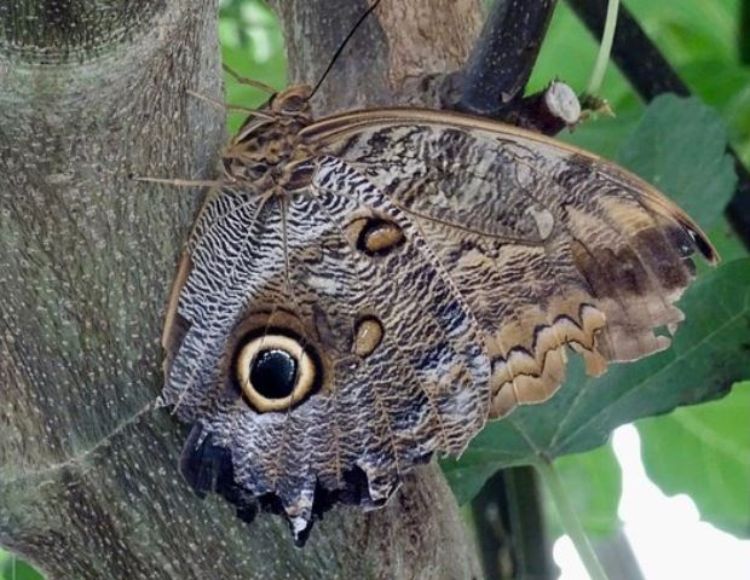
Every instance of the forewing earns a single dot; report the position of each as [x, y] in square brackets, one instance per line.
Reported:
[550, 246]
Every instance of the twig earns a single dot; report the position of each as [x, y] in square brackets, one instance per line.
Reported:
[504, 55]
[744, 37]
[605, 47]
[569, 518]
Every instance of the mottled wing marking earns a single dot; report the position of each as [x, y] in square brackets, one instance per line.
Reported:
[425, 388]
[550, 246]
[225, 268]
[424, 308]
[435, 267]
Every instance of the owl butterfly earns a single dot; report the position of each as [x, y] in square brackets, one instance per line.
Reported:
[365, 290]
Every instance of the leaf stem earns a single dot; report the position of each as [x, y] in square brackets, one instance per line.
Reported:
[569, 519]
[597, 75]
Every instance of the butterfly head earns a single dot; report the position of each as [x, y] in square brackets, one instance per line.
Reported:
[267, 152]
[292, 102]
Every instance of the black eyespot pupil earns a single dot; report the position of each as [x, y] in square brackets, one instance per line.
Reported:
[274, 373]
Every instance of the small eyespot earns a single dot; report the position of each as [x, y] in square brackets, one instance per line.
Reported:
[375, 236]
[275, 371]
[368, 336]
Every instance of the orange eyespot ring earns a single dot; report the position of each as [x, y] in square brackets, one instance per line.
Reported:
[275, 371]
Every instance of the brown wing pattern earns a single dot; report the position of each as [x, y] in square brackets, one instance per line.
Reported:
[313, 268]
[551, 246]
[400, 276]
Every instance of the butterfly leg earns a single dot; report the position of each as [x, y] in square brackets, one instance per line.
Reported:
[249, 82]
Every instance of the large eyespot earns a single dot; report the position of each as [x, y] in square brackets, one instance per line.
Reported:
[276, 371]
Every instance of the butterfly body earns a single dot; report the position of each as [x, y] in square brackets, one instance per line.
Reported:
[368, 289]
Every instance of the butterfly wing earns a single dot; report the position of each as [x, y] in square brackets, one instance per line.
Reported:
[337, 274]
[551, 246]
[430, 274]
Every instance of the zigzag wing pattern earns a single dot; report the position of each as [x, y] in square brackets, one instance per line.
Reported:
[297, 265]
[551, 246]
[369, 289]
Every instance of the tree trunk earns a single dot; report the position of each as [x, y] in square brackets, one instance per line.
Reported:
[91, 93]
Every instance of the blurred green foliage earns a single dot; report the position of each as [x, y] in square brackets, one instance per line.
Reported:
[13, 568]
[704, 451]
[702, 40]
[251, 45]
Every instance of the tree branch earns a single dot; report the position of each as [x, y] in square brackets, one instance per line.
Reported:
[744, 36]
[510, 524]
[504, 55]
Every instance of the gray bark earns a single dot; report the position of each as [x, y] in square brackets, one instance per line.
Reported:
[90, 93]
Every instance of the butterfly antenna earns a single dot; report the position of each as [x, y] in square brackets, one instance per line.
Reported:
[227, 106]
[180, 182]
[342, 46]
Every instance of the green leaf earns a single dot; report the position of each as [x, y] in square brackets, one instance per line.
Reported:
[680, 147]
[726, 241]
[707, 356]
[605, 134]
[696, 30]
[12, 568]
[726, 85]
[704, 451]
[252, 46]
[593, 482]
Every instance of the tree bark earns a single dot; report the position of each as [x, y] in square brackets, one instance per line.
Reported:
[91, 93]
